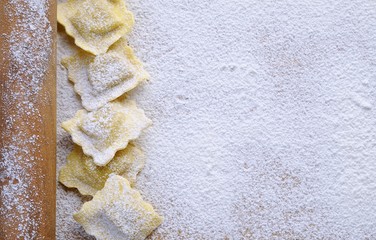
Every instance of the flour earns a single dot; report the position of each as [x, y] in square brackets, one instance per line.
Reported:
[263, 119]
[29, 56]
[111, 67]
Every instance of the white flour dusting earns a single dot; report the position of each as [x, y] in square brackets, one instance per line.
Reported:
[264, 119]
[29, 54]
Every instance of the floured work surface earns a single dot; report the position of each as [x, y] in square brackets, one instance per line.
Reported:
[263, 119]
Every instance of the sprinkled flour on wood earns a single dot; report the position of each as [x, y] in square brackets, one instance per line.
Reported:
[29, 56]
[258, 131]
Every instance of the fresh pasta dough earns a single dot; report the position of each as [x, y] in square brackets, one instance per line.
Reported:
[105, 163]
[80, 172]
[95, 24]
[103, 132]
[118, 212]
[103, 78]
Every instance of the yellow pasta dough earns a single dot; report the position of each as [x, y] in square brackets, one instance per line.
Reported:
[103, 78]
[95, 24]
[118, 212]
[80, 172]
[103, 132]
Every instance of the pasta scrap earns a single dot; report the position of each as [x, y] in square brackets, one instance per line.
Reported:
[80, 172]
[105, 77]
[103, 132]
[95, 24]
[118, 212]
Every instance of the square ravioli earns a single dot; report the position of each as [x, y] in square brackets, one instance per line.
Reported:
[103, 132]
[95, 24]
[118, 212]
[105, 77]
[80, 172]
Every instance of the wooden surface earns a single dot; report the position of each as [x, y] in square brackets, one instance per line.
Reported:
[28, 141]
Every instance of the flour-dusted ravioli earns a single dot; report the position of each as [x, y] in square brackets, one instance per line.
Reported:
[95, 24]
[103, 78]
[103, 132]
[80, 172]
[118, 212]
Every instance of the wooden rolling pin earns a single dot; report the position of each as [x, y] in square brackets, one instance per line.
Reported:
[27, 119]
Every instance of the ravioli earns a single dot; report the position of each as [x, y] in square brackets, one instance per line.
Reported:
[103, 132]
[80, 172]
[95, 24]
[103, 78]
[118, 212]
